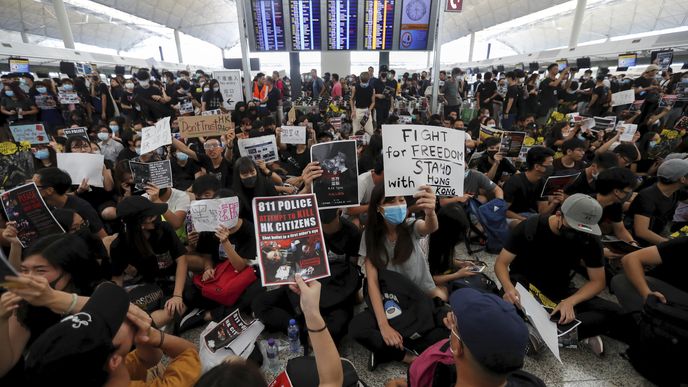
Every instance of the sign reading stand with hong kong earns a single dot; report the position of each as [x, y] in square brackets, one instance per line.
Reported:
[417, 155]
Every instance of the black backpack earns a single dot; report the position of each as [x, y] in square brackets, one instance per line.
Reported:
[303, 372]
[661, 349]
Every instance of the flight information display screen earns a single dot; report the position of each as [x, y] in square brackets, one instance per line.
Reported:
[305, 24]
[268, 24]
[342, 24]
[415, 24]
[379, 24]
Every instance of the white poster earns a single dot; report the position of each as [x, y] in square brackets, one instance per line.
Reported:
[259, 148]
[153, 137]
[208, 215]
[416, 155]
[539, 317]
[293, 135]
[629, 132]
[625, 97]
[230, 87]
[82, 165]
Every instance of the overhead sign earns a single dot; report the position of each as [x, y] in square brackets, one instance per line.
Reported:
[454, 6]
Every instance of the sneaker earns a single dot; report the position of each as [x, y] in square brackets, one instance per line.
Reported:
[595, 344]
[192, 320]
[372, 364]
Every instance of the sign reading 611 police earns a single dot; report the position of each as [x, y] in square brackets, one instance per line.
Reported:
[417, 155]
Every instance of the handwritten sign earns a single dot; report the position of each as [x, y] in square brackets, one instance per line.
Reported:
[628, 132]
[32, 133]
[230, 87]
[82, 166]
[208, 215]
[293, 135]
[204, 126]
[625, 97]
[259, 148]
[416, 155]
[153, 137]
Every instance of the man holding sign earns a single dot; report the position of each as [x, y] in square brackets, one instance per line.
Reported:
[214, 161]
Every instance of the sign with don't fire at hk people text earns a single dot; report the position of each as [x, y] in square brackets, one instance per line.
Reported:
[417, 155]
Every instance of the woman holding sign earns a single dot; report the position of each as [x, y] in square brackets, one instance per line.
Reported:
[391, 242]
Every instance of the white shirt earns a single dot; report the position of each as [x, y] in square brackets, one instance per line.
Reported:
[178, 201]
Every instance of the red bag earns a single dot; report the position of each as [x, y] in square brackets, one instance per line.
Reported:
[227, 285]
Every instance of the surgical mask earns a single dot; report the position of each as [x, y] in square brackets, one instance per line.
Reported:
[68, 87]
[42, 154]
[653, 144]
[181, 156]
[249, 182]
[138, 151]
[42, 90]
[490, 125]
[364, 85]
[216, 89]
[114, 128]
[549, 170]
[9, 93]
[129, 85]
[22, 81]
[144, 84]
[103, 136]
[395, 214]
[594, 175]
[206, 89]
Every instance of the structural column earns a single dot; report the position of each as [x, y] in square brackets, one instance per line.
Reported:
[577, 22]
[295, 74]
[63, 21]
[384, 59]
[245, 60]
[179, 46]
[470, 49]
[436, 61]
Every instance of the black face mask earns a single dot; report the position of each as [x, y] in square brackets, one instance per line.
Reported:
[624, 199]
[249, 182]
[549, 170]
[569, 234]
[491, 154]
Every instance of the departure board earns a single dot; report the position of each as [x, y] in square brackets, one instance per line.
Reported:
[305, 24]
[268, 24]
[379, 24]
[342, 24]
[415, 24]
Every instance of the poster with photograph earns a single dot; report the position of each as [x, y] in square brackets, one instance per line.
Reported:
[556, 183]
[68, 98]
[82, 166]
[228, 333]
[80, 132]
[625, 97]
[605, 123]
[209, 214]
[16, 164]
[289, 239]
[25, 206]
[157, 172]
[628, 132]
[213, 112]
[31, 133]
[259, 148]
[417, 155]
[511, 143]
[682, 123]
[338, 185]
[293, 135]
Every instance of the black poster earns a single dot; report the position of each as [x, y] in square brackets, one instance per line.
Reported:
[512, 142]
[25, 206]
[338, 185]
[16, 164]
[77, 132]
[556, 183]
[157, 172]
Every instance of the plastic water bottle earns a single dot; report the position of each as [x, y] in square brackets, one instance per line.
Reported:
[293, 333]
[273, 353]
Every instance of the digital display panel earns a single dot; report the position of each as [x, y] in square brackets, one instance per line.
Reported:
[305, 24]
[627, 60]
[415, 24]
[268, 24]
[19, 65]
[379, 24]
[342, 24]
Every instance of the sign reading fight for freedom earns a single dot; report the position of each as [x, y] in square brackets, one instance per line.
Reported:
[417, 155]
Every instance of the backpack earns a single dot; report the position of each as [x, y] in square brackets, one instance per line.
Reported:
[303, 372]
[492, 216]
[480, 282]
[661, 348]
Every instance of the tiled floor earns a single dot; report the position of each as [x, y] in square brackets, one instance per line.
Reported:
[580, 368]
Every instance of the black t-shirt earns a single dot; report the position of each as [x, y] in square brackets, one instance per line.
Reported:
[147, 92]
[487, 90]
[652, 203]
[580, 185]
[166, 248]
[599, 106]
[548, 94]
[512, 92]
[213, 100]
[126, 154]
[345, 243]
[560, 169]
[522, 194]
[224, 172]
[548, 259]
[363, 97]
[296, 162]
[674, 263]
[273, 99]
[505, 167]
[585, 85]
[86, 211]
[243, 240]
[183, 177]
[612, 213]
[103, 89]
[644, 83]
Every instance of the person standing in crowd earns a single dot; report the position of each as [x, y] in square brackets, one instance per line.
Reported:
[336, 86]
[100, 96]
[549, 89]
[384, 92]
[109, 147]
[16, 105]
[452, 90]
[362, 104]
[600, 99]
[511, 99]
[318, 85]
[486, 93]
[212, 99]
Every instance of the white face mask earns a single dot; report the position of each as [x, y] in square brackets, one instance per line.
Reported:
[129, 85]
[144, 83]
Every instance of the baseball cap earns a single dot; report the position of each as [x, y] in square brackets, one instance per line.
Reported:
[138, 206]
[74, 351]
[652, 67]
[672, 156]
[582, 213]
[673, 169]
[496, 336]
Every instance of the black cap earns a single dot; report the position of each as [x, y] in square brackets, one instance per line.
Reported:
[74, 351]
[138, 206]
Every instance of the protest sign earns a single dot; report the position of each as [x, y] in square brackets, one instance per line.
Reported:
[293, 135]
[636, 105]
[231, 333]
[16, 164]
[361, 139]
[668, 101]
[82, 166]
[681, 91]
[588, 124]
[289, 239]
[186, 106]
[682, 123]
[153, 137]
[628, 131]
[487, 132]
[208, 215]
[79, 132]
[31, 133]
[511, 143]
[25, 206]
[213, 112]
[45, 101]
[405, 119]
[604, 123]
[157, 172]
[204, 126]
[539, 317]
[230, 87]
[68, 98]
[336, 124]
[416, 155]
[259, 148]
[556, 183]
[338, 185]
[625, 97]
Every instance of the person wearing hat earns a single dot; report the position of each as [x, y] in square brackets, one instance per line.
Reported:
[654, 206]
[645, 85]
[92, 348]
[542, 251]
[153, 248]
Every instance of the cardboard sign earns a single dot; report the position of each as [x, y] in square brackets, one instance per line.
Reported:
[204, 126]
[625, 97]
[80, 132]
[289, 239]
[153, 137]
[259, 148]
[208, 215]
[230, 87]
[82, 166]
[338, 185]
[293, 135]
[31, 133]
[556, 183]
[629, 131]
[16, 164]
[511, 143]
[157, 172]
[416, 155]
[25, 206]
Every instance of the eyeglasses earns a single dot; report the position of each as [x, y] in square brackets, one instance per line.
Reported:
[211, 146]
